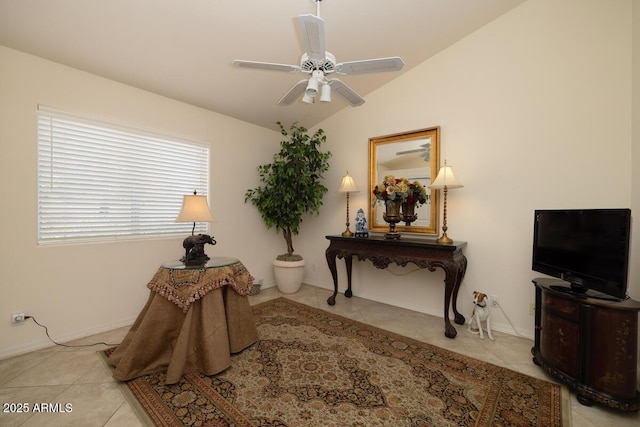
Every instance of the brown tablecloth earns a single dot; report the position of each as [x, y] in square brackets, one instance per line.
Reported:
[184, 286]
[200, 339]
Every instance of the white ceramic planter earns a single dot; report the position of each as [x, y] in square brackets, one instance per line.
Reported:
[288, 275]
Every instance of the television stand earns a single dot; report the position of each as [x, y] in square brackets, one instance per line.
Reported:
[589, 344]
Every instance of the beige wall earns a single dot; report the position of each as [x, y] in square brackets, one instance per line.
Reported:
[534, 110]
[635, 157]
[80, 289]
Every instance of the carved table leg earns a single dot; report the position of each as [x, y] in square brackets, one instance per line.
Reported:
[348, 260]
[331, 262]
[449, 330]
[451, 277]
[460, 271]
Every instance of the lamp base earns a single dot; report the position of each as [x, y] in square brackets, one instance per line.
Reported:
[194, 250]
[195, 262]
[444, 239]
[347, 233]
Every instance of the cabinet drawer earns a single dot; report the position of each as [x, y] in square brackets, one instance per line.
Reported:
[559, 344]
[564, 308]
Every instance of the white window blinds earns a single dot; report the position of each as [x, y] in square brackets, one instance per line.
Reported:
[98, 180]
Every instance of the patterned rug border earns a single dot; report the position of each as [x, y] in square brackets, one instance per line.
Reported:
[141, 409]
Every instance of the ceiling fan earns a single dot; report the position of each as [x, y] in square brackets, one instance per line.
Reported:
[424, 150]
[319, 63]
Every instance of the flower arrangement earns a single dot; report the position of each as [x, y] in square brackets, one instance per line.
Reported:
[392, 188]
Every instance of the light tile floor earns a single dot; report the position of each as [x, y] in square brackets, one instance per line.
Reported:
[78, 376]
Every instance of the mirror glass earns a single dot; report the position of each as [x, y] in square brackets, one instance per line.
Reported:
[414, 155]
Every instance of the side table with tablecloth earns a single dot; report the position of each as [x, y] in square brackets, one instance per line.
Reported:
[194, 319]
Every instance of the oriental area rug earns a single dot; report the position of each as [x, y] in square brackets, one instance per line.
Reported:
[314, 368]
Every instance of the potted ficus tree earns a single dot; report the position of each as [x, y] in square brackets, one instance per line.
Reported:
[291, 186]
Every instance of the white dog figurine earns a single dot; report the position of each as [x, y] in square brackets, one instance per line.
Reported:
[481, 313]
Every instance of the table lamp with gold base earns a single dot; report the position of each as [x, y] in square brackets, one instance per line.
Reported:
[347, 186]
[445, 181]
[195, 209]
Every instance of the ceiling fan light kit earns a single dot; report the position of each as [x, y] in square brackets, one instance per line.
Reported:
[314, 83]
[325, 95]
[319, 63]
[307, 99]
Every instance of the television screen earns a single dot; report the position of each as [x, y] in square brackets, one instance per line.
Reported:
[587, 247]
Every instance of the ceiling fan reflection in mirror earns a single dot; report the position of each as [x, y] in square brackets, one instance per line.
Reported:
[423, 151]
[319, 63]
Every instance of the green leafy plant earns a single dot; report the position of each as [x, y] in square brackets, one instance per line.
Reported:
[292, 183]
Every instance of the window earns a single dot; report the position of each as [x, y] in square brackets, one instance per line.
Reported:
[103, 181]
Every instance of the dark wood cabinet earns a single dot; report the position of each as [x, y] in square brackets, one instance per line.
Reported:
[588, 343]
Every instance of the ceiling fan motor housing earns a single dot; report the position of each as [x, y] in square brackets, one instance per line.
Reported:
[327, 65]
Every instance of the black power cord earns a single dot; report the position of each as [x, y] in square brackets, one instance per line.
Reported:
[46, 330]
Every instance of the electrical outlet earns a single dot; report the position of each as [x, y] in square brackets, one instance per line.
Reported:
[17, 317]
[532, 308]
[495, 300]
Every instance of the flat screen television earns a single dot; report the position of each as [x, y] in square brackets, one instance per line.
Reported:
[589, 248]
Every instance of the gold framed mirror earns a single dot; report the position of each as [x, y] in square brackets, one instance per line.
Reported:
[414, 155]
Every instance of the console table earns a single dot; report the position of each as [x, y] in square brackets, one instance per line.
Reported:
[194, 319]
[424, 253]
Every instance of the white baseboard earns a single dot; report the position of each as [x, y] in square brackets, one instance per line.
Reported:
[44, 342]
[495, 326]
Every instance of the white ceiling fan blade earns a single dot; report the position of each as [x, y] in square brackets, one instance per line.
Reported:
[417, 150]
[312, 31]
[294, 93]
[337, 86]
[370, 66]
[266, 66]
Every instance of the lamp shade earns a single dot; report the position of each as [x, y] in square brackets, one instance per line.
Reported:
[195, 209]
[348, 185]
[445, 178]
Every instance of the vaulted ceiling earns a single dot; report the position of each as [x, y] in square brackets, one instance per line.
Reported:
[183, 49]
